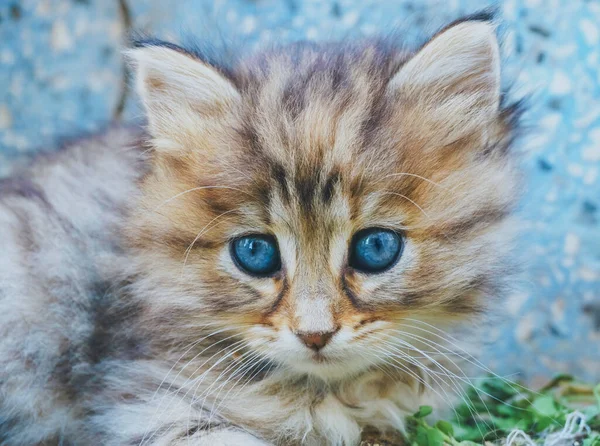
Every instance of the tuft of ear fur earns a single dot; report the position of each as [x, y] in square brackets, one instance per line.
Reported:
[182, 95]
[454, 78]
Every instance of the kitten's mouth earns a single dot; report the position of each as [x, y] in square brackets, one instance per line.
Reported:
[326, 366]
[320, 358]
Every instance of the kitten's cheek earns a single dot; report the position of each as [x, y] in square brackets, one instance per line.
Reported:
[227, 264]
[286, 348]
[290, 342]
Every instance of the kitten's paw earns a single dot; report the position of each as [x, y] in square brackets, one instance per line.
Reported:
[231, 438]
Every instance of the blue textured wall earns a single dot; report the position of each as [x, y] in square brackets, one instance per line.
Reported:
[61, 74]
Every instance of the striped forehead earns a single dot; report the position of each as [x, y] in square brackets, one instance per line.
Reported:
[316, 103]
[308, 196]
[311, 216]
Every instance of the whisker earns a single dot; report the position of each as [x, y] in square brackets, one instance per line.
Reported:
[452, 377]
[397, 364]
[187, 380]
[236, 366]
[477, 390]
[470, 358]
[233, 365]
[435, 377]
[197, 382]
[191, 346]
[200, 188]
[383, 338]
[398, 174]
[191, 383]
[375, 363]
[200, 234]
[179, 373]
[248, 365]
[268, 363]
[434, 345]
[408, 199]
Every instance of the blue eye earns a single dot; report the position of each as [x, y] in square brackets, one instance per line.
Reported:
[257, 255]
[374, 250]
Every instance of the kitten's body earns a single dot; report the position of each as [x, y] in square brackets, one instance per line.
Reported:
[122, 319]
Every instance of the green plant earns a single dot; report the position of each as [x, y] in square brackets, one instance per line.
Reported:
[496, 408]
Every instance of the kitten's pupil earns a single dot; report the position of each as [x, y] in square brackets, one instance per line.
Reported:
[253, 247]
[378, 244]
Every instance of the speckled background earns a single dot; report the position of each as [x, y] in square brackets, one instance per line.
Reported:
[61, 74]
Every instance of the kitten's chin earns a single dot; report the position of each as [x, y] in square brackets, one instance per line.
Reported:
[328, 368]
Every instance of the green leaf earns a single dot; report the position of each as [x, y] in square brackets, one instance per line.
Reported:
[592, 440]
[507, 411]
[499, 389]
[544, 405]
[544, 423]
[460, 431]
[423, 412]
[470, 433]
[421, 437]
[506, 424]
[445, 427]
[435, 438]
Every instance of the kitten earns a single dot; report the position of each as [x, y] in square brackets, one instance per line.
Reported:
[279, 260]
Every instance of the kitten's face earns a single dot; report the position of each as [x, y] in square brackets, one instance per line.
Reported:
[319, 205]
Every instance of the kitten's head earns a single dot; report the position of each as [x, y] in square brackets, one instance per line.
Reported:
[320, 202]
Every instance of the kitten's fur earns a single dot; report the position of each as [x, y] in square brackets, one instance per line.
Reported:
[123, 319]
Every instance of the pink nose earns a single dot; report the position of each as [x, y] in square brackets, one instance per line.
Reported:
[315, 341]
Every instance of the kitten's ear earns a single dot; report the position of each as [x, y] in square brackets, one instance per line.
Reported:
[455, 77]
[182, 94]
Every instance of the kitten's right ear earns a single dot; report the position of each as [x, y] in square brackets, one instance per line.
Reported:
[182, 95]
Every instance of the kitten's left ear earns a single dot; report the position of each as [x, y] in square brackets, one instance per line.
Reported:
[454, 78]
[182, 94]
